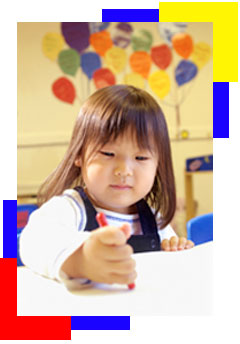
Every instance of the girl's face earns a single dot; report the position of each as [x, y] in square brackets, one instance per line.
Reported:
[119, 174]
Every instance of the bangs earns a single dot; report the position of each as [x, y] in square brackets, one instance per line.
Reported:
[137, 114]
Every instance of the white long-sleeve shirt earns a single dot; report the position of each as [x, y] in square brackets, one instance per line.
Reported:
[56, 230]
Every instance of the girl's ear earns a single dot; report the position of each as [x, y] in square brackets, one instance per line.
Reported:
[77, 162]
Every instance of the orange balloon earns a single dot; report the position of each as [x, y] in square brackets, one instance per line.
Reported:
[101, 42]
[140, 62]
[183, 44]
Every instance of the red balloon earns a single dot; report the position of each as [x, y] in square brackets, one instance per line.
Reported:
[161, 56]
[103, 77]
[64, 90]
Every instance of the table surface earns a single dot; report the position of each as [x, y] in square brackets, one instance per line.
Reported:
[168, 283]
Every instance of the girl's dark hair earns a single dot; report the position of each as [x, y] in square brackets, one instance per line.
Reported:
[105, 115]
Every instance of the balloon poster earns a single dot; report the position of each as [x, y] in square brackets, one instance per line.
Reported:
[101, 42]
[64, 90]
[76, 35]
[140, 63]
[103, 77]
[167, 30]
[161, 56]
[52, 44]
[96, 27]
[142, 40]
[160, 83]
[90, 62]
[202, 53]
[185, 72]
[96, 55]
[69, 61]
[116, 59]
[183, 44]
[121, 35]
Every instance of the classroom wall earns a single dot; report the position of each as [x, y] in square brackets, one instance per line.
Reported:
[45, 123]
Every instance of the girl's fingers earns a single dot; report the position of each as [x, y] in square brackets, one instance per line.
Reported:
[174, 243]
[182, 243]
[165, 246]
[189, 244]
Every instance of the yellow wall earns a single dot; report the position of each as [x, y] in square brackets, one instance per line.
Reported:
[45, 123]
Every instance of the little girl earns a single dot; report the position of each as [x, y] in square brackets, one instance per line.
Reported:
[118, 162]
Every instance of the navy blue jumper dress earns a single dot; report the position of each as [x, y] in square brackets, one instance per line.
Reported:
[148, 241]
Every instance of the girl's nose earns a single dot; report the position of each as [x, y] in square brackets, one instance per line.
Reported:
[123, 170]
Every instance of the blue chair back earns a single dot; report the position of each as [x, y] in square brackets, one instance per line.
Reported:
[23, 212]
[200, 229]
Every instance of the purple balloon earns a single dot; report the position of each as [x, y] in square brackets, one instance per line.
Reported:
[76, 35]
[121, 35]
[125, 27]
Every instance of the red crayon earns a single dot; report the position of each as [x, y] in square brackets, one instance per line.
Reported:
[102, 221]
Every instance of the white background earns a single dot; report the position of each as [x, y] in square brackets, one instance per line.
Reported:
[223, 325]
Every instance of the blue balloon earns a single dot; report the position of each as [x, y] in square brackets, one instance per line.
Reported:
[185, 72]
[90, 62]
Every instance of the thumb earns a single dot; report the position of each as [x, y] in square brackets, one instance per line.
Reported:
[126, 229]
[110, 235]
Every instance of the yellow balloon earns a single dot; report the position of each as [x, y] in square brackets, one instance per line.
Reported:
[160, 83]
[202, 53]
[134, 79]
[116, 59]
[52, 44]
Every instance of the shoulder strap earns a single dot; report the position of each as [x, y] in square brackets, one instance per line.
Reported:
[90, 210]
[147, 218]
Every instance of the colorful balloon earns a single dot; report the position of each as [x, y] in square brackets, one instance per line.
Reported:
[96, 27]
[121, 35]
[116, 59]
[161, 56]
[52, 44]
[69, 61]
[185, 72]
[167, 30]
[76, 35]
[202, 53]
[183, 44]
[90, 62]
[142, 40]
[140, 62]
[103, 77]
[160, 83]
[64, 90]
[134, 79]
[101, 42]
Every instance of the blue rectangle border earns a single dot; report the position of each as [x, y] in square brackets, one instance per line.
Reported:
[130, 15]
[100, 322]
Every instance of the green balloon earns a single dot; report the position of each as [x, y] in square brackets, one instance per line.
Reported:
[69, 61]
[142, 40]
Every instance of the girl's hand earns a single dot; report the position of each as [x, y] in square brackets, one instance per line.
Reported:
[176, 244]
[104, 257]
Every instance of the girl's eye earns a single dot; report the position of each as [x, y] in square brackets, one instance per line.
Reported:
[107, 153]
[141, 158]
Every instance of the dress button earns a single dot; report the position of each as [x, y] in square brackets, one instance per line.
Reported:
[153, 243]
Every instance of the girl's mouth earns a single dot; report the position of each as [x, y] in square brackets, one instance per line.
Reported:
[120, 186]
